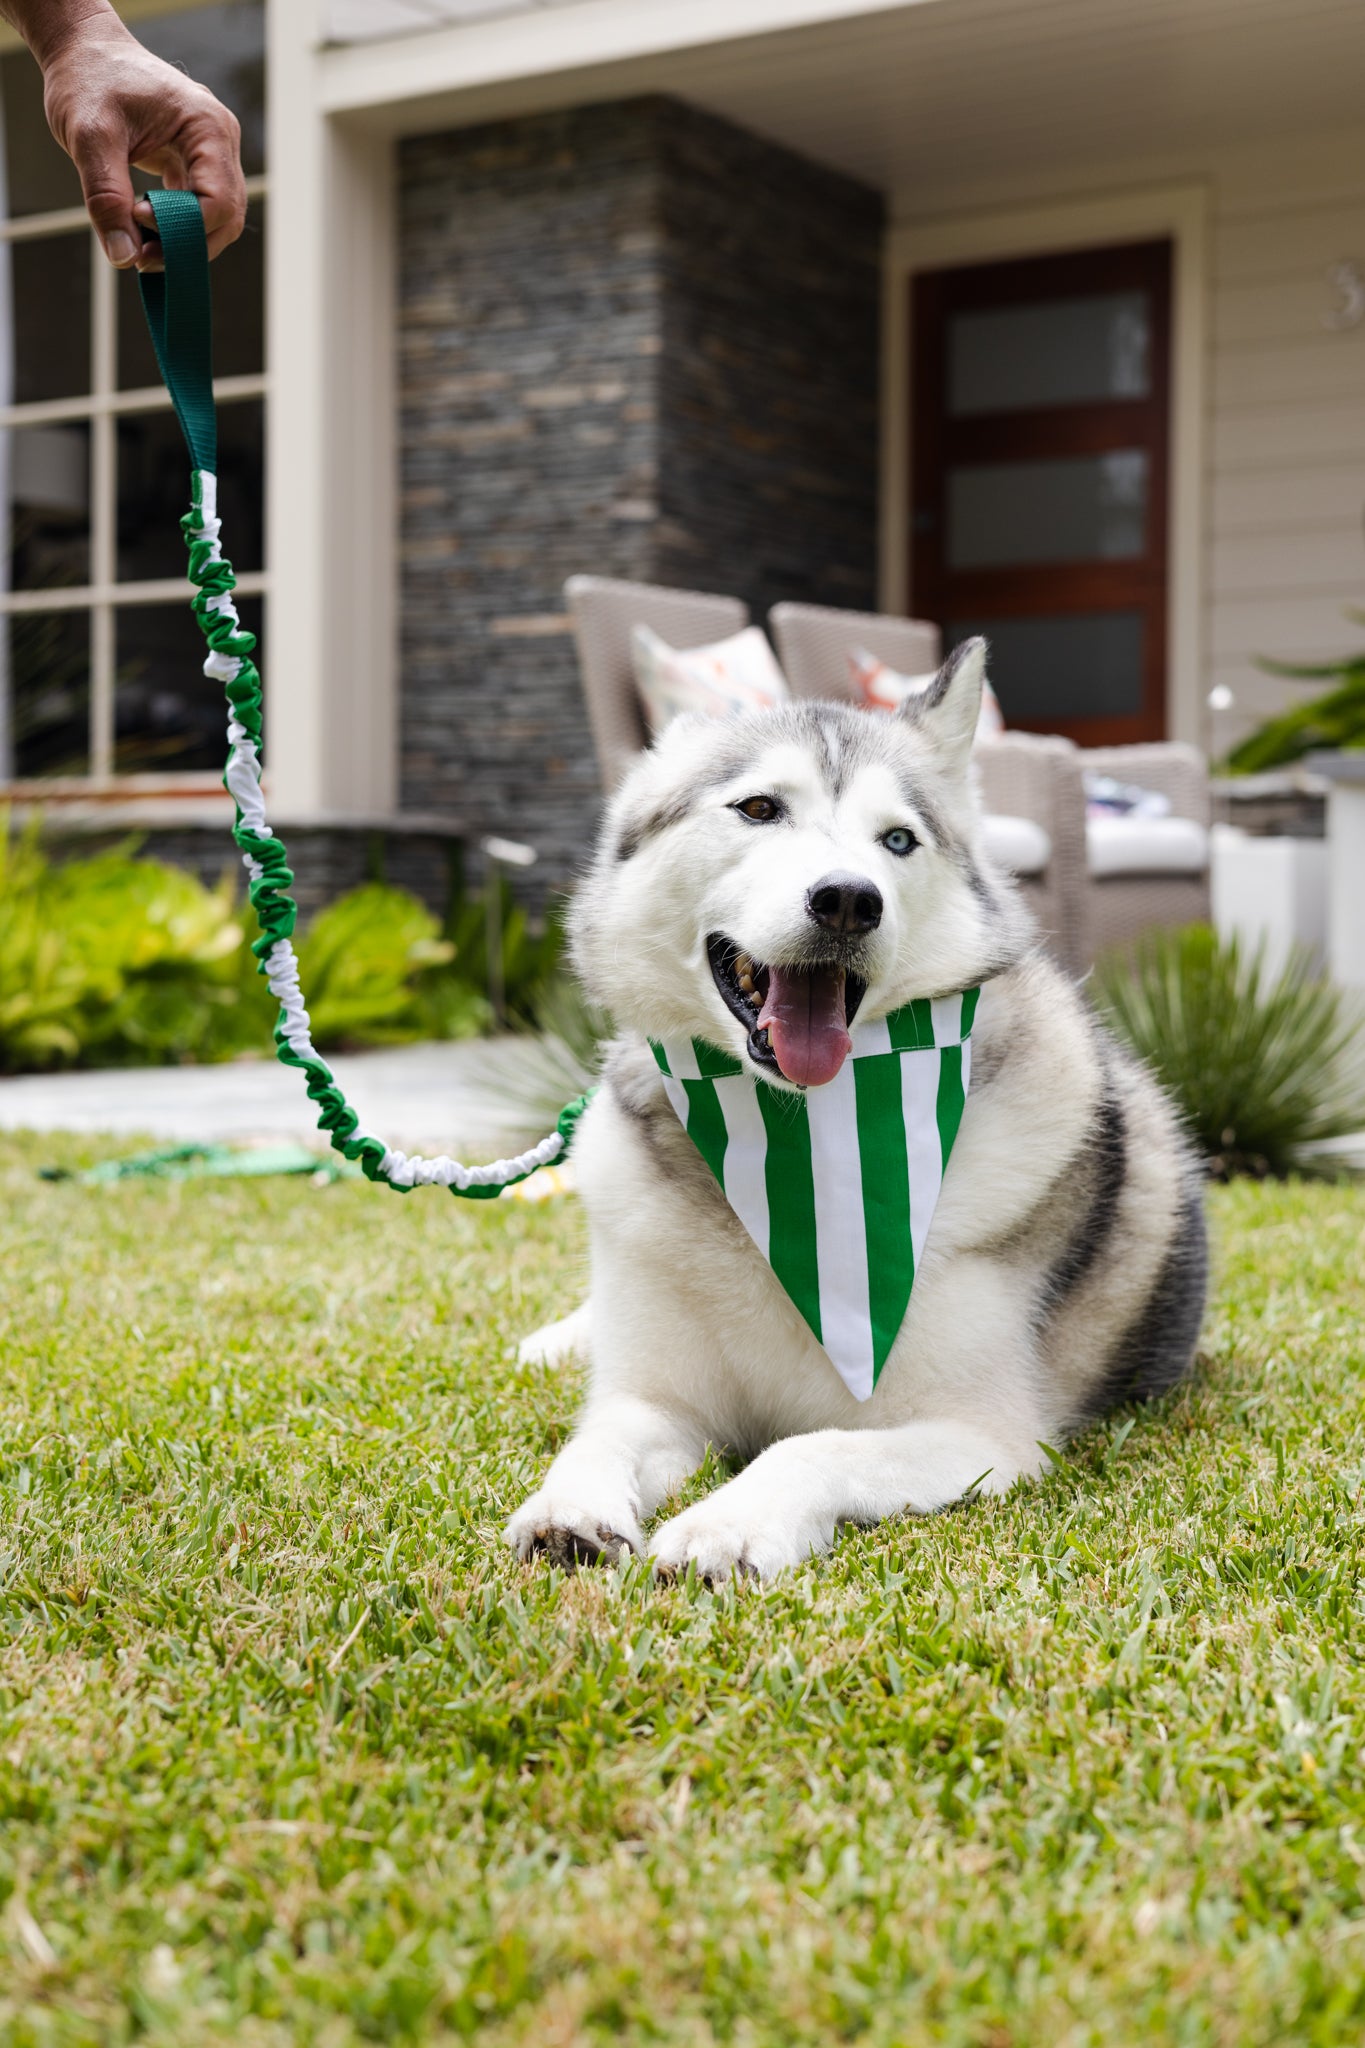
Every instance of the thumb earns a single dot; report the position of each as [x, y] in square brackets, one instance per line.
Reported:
[108, 191]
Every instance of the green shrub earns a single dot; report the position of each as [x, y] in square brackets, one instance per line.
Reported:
[1265, 1069]
[531, 959]
[371, 969]
[112, 960]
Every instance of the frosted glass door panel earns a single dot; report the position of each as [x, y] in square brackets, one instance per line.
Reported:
[1083, 666]
[1089, 508]
[1053, 352]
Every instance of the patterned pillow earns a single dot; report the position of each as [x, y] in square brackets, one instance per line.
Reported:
[882, 689]
[730, 676]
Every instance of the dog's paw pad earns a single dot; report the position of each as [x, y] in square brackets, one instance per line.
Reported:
[556, 1528]
[569, 1548]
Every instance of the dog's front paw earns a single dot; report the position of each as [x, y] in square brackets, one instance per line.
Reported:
[730, 1534]
[554, 1525]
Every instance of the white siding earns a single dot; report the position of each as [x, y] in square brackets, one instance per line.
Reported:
[1286, 553]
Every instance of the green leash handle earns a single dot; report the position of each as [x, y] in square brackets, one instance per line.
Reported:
[178, 303]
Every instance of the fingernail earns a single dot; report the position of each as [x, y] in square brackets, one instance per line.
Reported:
[120, 248]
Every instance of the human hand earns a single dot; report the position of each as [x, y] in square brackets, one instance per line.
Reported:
[111, 104]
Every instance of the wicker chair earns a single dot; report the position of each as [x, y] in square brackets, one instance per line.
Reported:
[1119, 907]
[604, 612]
[1025, 775]
[814, 642]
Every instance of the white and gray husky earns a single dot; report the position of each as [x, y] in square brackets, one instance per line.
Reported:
[758, 883]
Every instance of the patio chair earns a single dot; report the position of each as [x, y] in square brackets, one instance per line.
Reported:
[814, 642]
[604, 613]
[1142, 872]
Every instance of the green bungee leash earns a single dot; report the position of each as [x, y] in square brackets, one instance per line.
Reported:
[178, 305]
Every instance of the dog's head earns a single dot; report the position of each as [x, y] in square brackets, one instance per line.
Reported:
[760, 882]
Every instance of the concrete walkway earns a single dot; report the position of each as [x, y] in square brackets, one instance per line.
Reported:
[428, 1098]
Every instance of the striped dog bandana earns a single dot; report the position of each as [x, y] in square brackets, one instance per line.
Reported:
[837, 1186]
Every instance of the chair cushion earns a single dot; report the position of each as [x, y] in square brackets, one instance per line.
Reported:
[1146, 846]
[885, 689]
[1016, 844]
[729, 676]
[1105, 797]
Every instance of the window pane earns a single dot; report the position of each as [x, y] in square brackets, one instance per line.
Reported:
[168, 716]
[1084, 665]
[49, 352]
[47, 655]
[40, 176]
[47, 484]
[1053, 352]
[238, 313]
[154, 486]
[1085, 509]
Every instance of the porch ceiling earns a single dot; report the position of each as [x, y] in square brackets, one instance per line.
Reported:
[923, 100]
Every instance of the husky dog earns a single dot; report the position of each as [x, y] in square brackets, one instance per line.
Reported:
[757, 883]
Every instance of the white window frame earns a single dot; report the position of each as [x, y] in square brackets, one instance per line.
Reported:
[102, 407]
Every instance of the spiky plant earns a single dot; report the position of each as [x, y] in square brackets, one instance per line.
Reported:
[1266, 1068]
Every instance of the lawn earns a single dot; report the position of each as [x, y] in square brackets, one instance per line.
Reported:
[291, 1750]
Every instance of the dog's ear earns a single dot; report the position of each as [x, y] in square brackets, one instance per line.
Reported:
[947, 711]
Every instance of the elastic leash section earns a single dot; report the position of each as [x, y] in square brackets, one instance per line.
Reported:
[178, 305]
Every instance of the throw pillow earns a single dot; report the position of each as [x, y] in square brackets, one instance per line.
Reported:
[1105, 797]
[884, 689]
[729, 676]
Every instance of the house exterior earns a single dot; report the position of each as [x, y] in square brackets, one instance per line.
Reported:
[1043, 320]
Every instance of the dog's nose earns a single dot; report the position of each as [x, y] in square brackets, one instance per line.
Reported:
[846, 904]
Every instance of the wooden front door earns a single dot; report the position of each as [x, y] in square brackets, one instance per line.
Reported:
[1039, 462]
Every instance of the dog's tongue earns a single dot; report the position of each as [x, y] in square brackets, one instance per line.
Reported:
[804, 1012]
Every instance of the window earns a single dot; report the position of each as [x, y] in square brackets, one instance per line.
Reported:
[1039, 517]
[100, 658]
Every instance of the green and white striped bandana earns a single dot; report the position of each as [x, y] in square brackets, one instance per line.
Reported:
[837, 1186]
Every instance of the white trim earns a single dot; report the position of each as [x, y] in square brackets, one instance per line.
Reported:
[361, 480]
[1177, 211]
[412, 81]
[103, 509]
[41, 412]
[66, 220]
[79, 597]
[330, 669]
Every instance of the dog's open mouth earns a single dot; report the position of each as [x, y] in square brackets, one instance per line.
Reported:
[797, 1018]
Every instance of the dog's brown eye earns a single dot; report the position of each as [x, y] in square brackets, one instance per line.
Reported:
[762, 809]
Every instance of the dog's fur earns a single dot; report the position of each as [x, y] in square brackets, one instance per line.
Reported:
[1066, 1265]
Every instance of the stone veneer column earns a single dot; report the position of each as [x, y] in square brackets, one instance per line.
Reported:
[634, 341]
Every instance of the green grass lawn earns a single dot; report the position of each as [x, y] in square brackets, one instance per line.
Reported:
[292, 1750]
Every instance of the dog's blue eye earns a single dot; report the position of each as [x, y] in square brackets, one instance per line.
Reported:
[900, 839]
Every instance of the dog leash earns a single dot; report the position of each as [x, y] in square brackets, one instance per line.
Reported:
[178, 304]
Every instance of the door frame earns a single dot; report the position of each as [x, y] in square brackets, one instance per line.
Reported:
[1043, 589]
[1178, 213]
